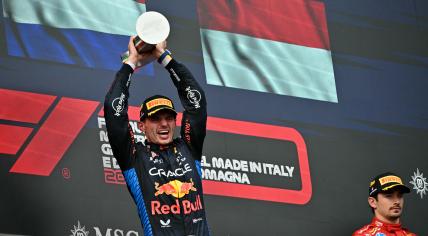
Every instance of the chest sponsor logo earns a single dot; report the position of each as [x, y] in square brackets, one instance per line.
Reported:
[179, 207]
[175, 188]
[165, 224]
[170, 173]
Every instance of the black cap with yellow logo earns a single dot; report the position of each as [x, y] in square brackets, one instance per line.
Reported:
[386, 182]
[154, 104]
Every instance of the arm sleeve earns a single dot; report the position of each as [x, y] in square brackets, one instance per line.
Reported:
[119, 132]
[192, 97]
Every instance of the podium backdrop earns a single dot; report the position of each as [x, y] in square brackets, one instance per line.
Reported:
[307, 101]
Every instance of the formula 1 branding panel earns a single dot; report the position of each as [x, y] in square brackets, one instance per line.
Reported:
[240, 159]
[37, 131]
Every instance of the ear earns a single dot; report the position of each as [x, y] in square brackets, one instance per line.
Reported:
[141, 126]
[372, 202]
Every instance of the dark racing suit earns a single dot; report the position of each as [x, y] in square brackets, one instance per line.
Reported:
[165, 183]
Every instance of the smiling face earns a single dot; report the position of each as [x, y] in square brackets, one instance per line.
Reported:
[159, 127]
[388, 206]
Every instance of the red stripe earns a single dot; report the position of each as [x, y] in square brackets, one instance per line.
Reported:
[133, 113]
[12, 138]
[54, 137]
[23, 106]
[301, 22]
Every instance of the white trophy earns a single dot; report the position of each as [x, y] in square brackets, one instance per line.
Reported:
[152, 28]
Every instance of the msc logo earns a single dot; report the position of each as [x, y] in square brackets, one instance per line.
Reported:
[79, 230]
[44, 125]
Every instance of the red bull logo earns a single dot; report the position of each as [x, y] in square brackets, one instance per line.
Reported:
[175, 188]
[187, 207]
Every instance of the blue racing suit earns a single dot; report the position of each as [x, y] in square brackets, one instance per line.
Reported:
[165, 183]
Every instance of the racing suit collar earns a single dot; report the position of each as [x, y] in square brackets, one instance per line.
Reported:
[387, 226]
[157, 147]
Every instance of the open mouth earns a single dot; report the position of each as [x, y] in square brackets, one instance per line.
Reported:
[163, 134]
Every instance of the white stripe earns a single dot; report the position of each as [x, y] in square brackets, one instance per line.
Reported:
[240, 61]
[107, 16]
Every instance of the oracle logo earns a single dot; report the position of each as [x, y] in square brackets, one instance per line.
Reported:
[44, 126]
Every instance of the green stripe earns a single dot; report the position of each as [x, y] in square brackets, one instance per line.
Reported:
[107, 16]
[240, 61]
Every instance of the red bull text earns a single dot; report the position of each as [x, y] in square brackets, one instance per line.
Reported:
[186, 206]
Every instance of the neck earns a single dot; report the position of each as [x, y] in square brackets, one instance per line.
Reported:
[157, 145]
[388, 220]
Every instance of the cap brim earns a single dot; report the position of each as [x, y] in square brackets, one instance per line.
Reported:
[403, 188]
[160, 109]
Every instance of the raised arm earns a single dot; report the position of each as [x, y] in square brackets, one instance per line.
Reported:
[192, 97]
[116, 114]
[120, 134]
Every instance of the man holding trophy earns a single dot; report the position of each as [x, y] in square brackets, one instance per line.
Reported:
[163, 174]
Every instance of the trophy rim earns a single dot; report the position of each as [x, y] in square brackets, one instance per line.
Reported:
[152, 27]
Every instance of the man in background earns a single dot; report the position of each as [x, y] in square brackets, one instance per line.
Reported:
[386, 200]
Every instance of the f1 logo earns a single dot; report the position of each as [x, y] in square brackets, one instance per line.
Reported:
[54, 136]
